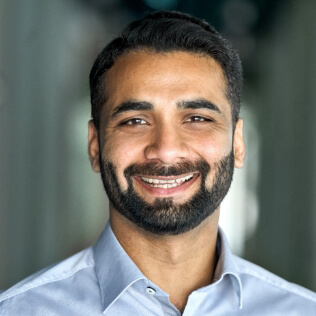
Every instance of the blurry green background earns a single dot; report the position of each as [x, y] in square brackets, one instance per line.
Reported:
[52, 204]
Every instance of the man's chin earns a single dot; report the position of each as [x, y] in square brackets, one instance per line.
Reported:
[172, 201]
[168, 214]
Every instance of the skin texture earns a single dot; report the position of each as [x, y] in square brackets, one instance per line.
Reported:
[166, 135]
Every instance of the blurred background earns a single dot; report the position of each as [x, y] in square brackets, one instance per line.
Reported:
[52, 204]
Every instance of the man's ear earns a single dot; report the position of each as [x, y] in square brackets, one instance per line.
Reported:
[239, 145]
[93, 143]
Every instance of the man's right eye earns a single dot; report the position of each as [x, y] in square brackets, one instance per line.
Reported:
[134, 121]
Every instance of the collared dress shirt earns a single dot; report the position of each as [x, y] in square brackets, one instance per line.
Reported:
[103, 280]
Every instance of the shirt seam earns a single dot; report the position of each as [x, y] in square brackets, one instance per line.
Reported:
[277, 284]
[43, 283]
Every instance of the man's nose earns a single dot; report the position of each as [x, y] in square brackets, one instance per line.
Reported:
[167, 145]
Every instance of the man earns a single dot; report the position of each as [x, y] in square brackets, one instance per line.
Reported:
[166, 137]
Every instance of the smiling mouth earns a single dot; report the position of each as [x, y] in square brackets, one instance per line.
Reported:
[166, 183]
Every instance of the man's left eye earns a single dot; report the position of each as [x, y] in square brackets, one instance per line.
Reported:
[197, 119]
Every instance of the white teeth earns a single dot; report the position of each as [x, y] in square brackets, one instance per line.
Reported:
[166, 184]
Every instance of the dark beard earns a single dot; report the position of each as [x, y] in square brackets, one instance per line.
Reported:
[163, 216]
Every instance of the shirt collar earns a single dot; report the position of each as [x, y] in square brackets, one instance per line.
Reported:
[226, 265]
[115, 270]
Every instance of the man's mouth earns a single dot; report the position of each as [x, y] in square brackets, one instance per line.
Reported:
[166, 183]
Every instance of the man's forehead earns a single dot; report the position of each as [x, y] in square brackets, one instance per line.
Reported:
[135, 57]
[130, 68]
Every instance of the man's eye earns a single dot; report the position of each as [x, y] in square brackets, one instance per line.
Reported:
[197, 119]
[135, 121]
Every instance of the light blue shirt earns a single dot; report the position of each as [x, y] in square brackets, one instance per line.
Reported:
[103, 280]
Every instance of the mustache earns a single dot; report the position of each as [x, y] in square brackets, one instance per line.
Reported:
[154, 169]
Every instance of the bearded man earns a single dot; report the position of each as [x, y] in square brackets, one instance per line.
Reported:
[165, 135]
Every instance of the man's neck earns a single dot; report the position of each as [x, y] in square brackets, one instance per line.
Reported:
[177, 264]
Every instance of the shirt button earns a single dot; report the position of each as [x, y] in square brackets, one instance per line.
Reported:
[150, 291]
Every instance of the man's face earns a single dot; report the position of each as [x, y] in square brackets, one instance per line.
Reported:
[166, 140]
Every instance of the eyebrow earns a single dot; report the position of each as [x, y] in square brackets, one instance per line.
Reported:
[198, 104]
[132, 106]
[146, 106]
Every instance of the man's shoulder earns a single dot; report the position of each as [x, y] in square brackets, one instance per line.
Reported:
[271, 284]
[53, 277]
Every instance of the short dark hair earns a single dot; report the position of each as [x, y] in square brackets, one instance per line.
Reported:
[167, 31]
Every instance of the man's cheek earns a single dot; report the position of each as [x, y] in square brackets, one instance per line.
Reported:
[123, 181]
[209, 179]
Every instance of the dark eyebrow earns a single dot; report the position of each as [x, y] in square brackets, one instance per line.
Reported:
[198, 104]
[132, 106]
